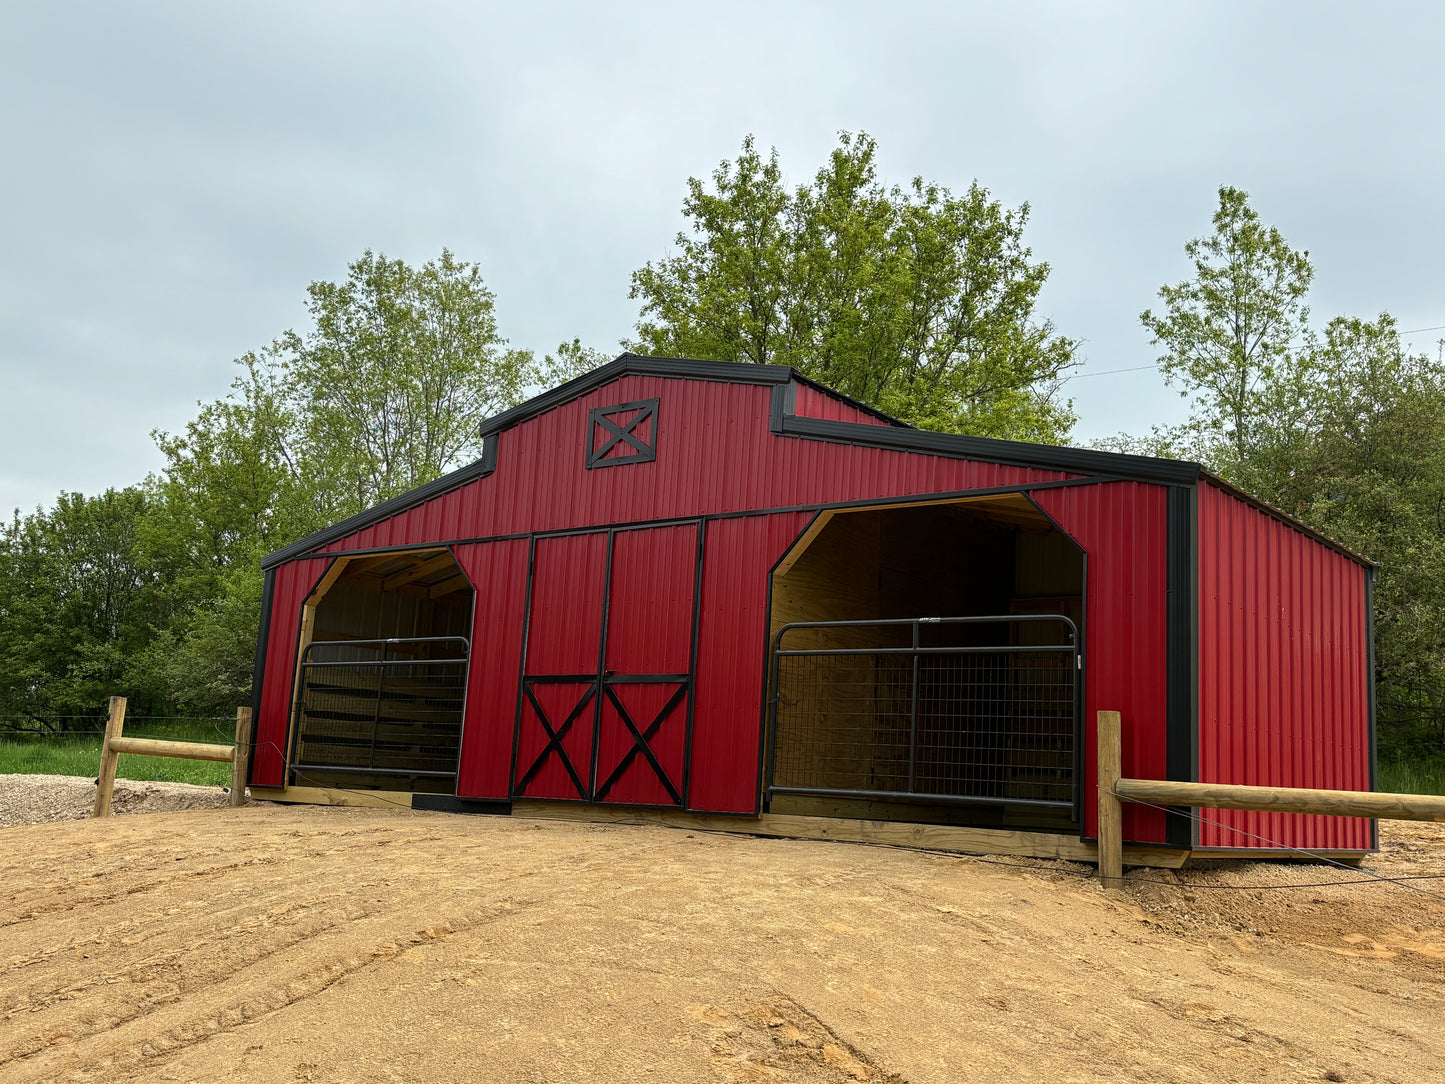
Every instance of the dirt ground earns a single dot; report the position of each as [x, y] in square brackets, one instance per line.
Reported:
[293, 944]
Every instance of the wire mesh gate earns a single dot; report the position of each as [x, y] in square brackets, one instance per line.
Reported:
[381, 707]
[946, 709]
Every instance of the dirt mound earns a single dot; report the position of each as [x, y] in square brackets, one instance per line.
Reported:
[288, 944]
[35, 799]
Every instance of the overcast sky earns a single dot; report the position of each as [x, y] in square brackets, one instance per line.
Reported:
[173, 175]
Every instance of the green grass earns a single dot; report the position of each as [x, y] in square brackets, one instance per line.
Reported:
[1413, 776]
[80, 754]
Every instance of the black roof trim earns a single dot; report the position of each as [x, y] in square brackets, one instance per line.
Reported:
[410, 499]
[1012, 452]
[727, 371]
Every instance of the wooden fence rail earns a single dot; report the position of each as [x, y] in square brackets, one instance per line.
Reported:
[1114, 791]
[116, 743]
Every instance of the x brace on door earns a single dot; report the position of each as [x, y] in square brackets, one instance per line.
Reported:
[555, 735]
[641, 739]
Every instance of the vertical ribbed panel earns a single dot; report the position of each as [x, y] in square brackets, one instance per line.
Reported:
[738, 555]
[1122, 529]
[294, 582]
[649, 632]
[498, 573]
[811, 403]
[564, 636]
[1283, 673]
[715, 454]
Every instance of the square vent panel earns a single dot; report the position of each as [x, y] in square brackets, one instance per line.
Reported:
[626, 433]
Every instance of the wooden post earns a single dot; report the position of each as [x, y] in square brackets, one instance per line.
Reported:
[1111, 810]
[105, 785]
[242, 756]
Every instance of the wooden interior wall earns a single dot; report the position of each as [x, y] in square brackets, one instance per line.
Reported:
[836, 579]
[352, 612]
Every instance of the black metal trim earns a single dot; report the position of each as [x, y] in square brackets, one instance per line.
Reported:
[904, 498]
[601, 662]
[1371, 703]
[258, 671]
[726, 372]
[920, 799]
[483, 467]
[642, 451]
[778, 407]
[1181, 651]
[1136, 468]
[447, 803]
[689, 720]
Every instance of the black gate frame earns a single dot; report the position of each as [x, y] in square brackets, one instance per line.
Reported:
[298, 709]
[916, 650]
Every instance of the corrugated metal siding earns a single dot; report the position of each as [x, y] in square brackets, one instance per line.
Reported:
[649, 632]
[1122, 528]
[1283, 672]
[715, 454]
[294, 582]
[563, 638]
[738, 556]
[812, 403]
[498, 572]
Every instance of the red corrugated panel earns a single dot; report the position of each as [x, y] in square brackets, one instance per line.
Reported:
[563, 639]
[738, 556]
[1283, 672]
[649, 633]
[1122, 528]
[294, 581]
[498, 572]
[715, 454]
[812, 403]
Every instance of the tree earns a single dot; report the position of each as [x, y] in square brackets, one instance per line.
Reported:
[403, 364]
[1342, 427]
[917, 301]
[78, 596]
[570, 361]
[383, 393]
[1231, 333]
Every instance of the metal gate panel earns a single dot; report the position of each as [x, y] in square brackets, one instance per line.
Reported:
[556, 712]
[980, 710]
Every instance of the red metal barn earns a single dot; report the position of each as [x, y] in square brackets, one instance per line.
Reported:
[726, 589]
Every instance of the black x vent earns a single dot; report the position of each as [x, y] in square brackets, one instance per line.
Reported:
[626, 433]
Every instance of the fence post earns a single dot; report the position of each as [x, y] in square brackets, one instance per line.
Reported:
[105, 785]
[241, 758]
[1111, 810]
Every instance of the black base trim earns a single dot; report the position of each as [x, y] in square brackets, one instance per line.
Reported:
[449, 803]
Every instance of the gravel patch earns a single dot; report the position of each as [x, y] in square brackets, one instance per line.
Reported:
[35, 799]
